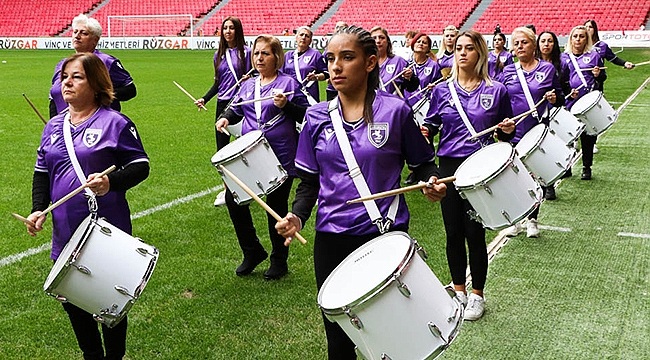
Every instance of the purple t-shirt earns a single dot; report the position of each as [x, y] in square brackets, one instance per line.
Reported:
[446, 60]
[119, 77]
[586, 60]
[310, 60]
[388, 70]
[505, 57]
[605, 53]
[226, 77]
[381, 149]
[106, 138]
[485, 106]
[541, 79]
[279, 130]
[427, 73]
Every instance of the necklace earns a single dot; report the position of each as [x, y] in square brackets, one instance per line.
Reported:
[471, 85]
[82, 119]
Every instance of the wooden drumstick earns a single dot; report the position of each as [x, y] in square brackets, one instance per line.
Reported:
[35, 109]
[260, 99]
[399, 92]
[188, 94]
[400, 74]
[23, 219]
[405, 189]
[239, 81]
[257, 199]
[642, 63]
[578, 88]
[519, 118]
[223, 130]
[595, 67]
[426, 88]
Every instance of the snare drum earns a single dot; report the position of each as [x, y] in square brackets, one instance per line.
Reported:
[566, 126]
[252, 160]
[390, 303]
[594, 111]
[545, 154]
[420, 110]
[102, 270]
[498, 186]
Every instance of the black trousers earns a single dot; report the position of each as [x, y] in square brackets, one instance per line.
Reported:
[460, 228]
[329, 251]
[587, 143]
[242, 220]
[221, 138]
[86, 330]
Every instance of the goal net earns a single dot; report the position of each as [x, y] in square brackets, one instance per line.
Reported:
[150, 25]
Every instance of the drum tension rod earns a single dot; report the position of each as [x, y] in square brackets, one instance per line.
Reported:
[354, 320]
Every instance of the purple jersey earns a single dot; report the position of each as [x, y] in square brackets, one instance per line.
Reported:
[308, 61]
[445, 60]
[106, 138]
[278, 129]
[541, 79]
[387, 72]
[119, 77]
[605, 53]
[381, 149]
[587, 60]
[485, 106]
[427, 72]
[227, 79]
[505, 58]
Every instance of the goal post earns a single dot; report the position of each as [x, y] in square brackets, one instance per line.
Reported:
[150, 25]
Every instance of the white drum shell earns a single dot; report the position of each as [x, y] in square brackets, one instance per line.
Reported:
[235, 130]
[113, 260]
[566, 125]
[545, 154]
[252, 160]
[595, 112]
[501, 197]
[392, 323]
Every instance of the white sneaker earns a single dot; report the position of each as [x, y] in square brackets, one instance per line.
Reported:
[514, 230]
[531, 229]
[595, 149]
[221, 198]
[475, 307]
[462, 297]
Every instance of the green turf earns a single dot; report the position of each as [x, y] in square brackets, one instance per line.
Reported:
[578, 294]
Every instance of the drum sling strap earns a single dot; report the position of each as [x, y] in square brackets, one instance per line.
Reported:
[258, 108]
[232, 70]
[357, 176]
[574, 62]
[526, 89]
[303, 87]
[69, 147]
[459, 108]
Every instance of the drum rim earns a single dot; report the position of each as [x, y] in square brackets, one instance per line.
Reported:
[538, 142]
[586, 109]
[403, 265]
[490, 177]
[259, 139]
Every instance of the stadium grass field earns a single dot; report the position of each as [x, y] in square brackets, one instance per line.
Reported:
[578, 291]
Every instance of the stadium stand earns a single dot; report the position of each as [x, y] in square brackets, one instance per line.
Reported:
[560, 16]
[38, 17]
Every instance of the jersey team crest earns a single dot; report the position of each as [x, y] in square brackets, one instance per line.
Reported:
[540, 76]
[390, 68]
[586, 59]
[91, 137]
[378, 134]
[427, 71]
[306, 59]
[486, 101]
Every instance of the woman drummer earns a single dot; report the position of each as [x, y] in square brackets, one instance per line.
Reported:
[306, 64]
[485, 103]
[445, 54]
[499, 57]
[426, 70]
[276, 118]
[604, 50]
[528, 82]
[391, 66]
[580, 75]
[382, 136]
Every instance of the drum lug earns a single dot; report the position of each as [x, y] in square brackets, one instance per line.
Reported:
[560, 165]
[98, 318]
[142, 251]
[450, 291]
[105, 230]
[244, 160]
[235, 197]
[61, 299]
[385, 357]
[360, 355]
[124, 291]
[462, 195]
[436, 332]
[541, 149]
[403, 288]
[487, 189]
[423, 253]
[473, 215]
[532, 193]
[506, 215]
[354, 320]
[515, 168]
[259, 185]
[82, 269]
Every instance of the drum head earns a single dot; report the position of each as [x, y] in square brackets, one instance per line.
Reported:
[586, 102]
[237, 147]
[364, 270]
[531, 140]
[483, 164]
[66, 254]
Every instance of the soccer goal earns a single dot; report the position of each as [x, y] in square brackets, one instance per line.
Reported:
[150, 25]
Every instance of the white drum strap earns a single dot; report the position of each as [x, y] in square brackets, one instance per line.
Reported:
[357, 176]
[69, 146]
[574, 61]
[524, 86]
[459, 107]
[296, 66]
[231, 67]
[258, 104]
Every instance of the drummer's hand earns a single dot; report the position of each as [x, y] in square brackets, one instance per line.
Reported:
[596, 71]
[430, 86]
[507, 126]
[425, 131]
[244, 78]
[221, 124]
[434, 192]
[38, 220]
[628, 65]
[99, 185]
[200, 103]
[280, 100]
[408, 74]
[288, 227]
[312, 76]
[550, 96]
[575, 93]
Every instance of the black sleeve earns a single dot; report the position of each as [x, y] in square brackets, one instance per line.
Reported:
[618, 61]
[411, 84]
[505, 137]
[52, 109]
[125, 93]
[128, 176]
[294, 111]
[424, 171]
[40, 191]
[306, 195]
[231, 116]
[214, 89]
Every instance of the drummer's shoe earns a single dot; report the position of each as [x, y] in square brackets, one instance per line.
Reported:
[221, 198]
[586, 173]
[595, 149]
[514, 230]
[250, 263]
[475, 307]
[531, 228]
[550, 193]
[567, 174]
[276, 271]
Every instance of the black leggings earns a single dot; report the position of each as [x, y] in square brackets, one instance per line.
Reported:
[221, 138]
[460, 227]
[89, 339]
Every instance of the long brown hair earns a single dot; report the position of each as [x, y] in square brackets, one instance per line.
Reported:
[239, 44]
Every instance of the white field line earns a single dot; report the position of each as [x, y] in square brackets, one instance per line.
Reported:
[642, 236]
[33, 251]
